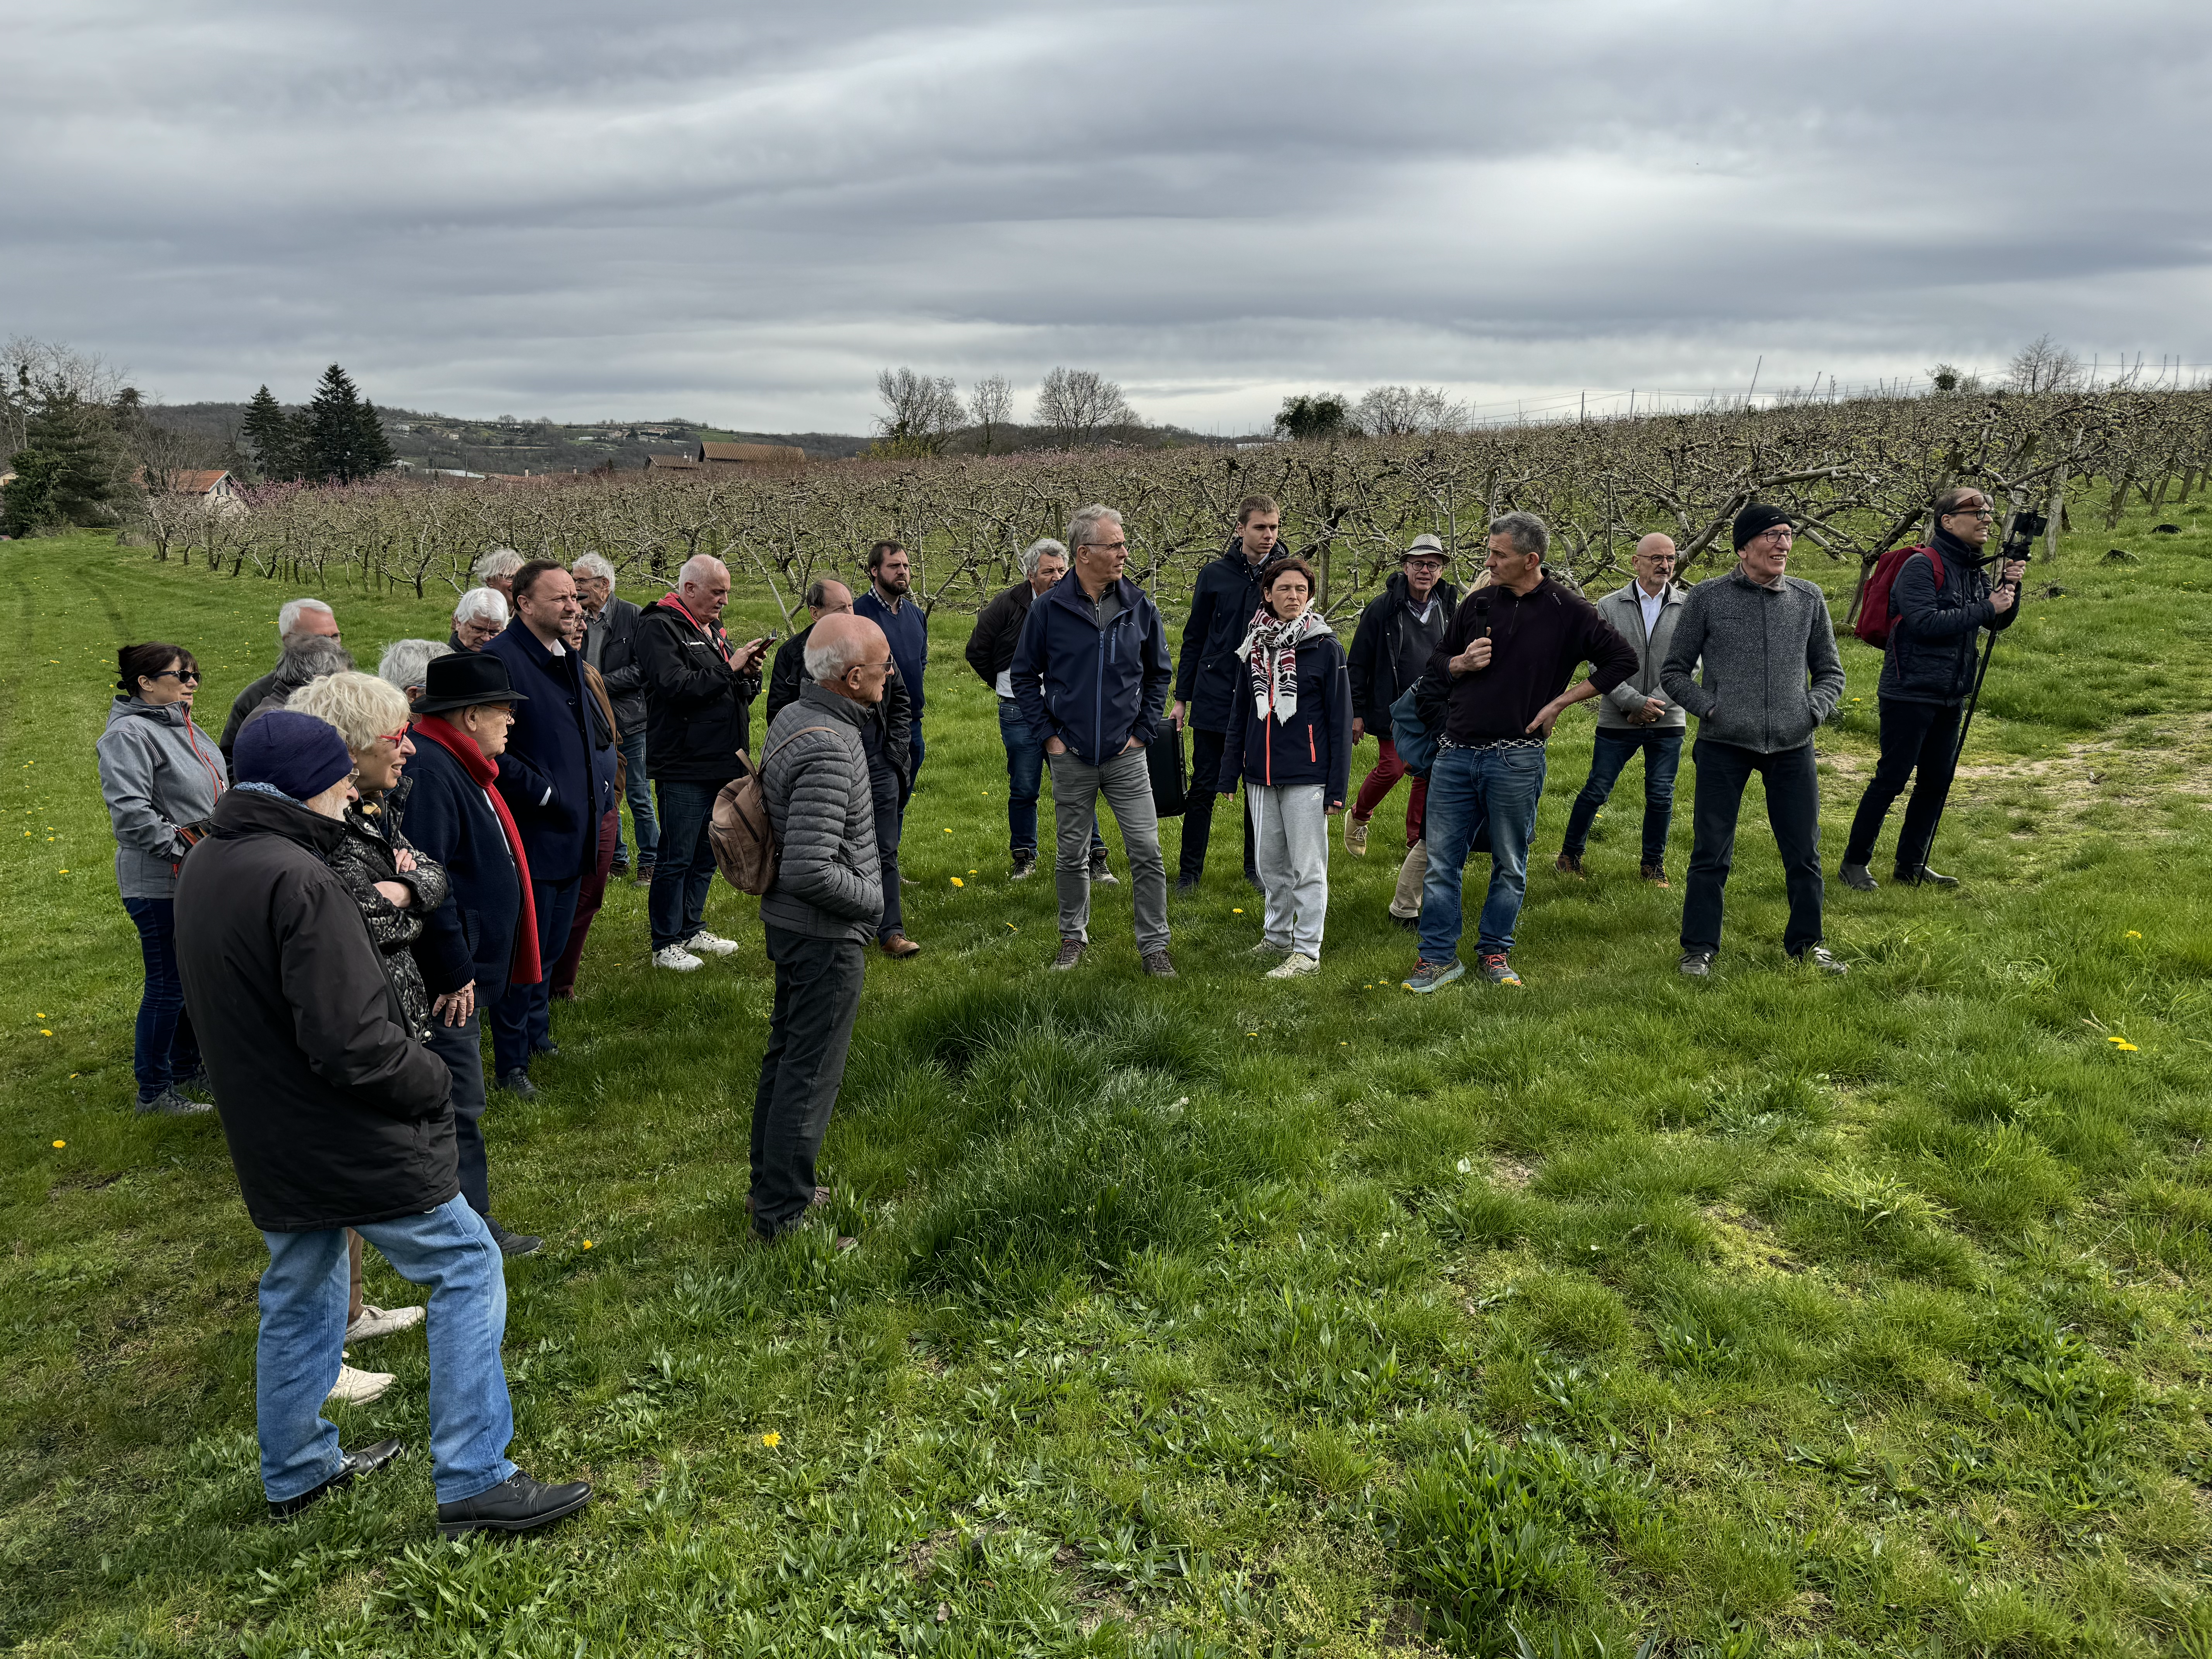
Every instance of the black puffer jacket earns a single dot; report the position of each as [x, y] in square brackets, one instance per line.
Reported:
[698, 709]
[1935, 630]
[335, 1116]
[367, 853]
[1391, 647]
[998, 631]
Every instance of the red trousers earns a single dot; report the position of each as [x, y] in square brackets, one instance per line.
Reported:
[1381, 781]
[588, 899]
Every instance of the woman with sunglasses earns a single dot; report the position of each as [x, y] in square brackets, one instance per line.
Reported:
[161, 775]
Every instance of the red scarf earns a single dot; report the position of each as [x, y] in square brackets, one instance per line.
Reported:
[527, 968]
[715, 636]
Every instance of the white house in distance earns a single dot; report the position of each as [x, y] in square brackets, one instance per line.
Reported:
[211, 486]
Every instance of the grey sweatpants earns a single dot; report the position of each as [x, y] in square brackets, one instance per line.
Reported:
[1126, 782]
[1291, 823]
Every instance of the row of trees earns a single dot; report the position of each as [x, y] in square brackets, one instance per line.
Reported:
[922, 413]
[1858, 475]
[338, 438]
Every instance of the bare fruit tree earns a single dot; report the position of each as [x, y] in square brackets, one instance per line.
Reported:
[990, 406]
[1400, 411]
[2045, 365]
[921, 411]
[1077, 405]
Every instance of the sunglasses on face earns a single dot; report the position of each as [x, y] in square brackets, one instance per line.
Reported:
[190, 676]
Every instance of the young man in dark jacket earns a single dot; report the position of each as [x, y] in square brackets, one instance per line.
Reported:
[1771, 676]
[991, 654]
[611, 647]
[557, 776]
[699, 692]
[1088, 676]
[1936, 632]
[1398, 633]
[337, 1118]
[1221, 603]
[1494, 687]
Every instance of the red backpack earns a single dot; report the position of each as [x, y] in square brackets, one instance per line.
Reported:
[1875, 619]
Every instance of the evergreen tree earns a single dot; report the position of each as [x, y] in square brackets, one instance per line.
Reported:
[345, 438]
[72, 468]
[275, 437]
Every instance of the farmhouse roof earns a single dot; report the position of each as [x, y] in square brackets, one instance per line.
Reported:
[675, 462]
[751, 454]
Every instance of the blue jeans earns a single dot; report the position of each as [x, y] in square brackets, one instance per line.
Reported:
[303, 1322]
[677, 906]
[522, 1018]
[638, 789]
[164, 1050]
[1024, 782]
[1609, 753]
[1467, 787]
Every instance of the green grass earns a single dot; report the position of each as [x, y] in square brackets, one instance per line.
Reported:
[1772, 1315]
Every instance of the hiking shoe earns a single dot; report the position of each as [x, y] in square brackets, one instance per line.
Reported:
[1355, 836]
[365, 1461]
[170, 1103]
[516, 1504]
[1858, 877]
[1070, 953]
[1817, 956]
[644, 876]
[1158, 964]
[1264, 948]
[1568, 864]
[1428, 975]
[676, 958]
[376, 1322]
[1497, 970]
[545, 1045]
[704, 943]
[1295, 965]
[1024, 865]
[898, 946]
[1697, 964]
[512, 1243]
[1103, 872]
[1923, 876]
[516, 1083]
[355, 1387]
[1656, 875]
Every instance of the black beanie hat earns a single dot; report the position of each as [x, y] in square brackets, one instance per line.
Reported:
[1756, 520]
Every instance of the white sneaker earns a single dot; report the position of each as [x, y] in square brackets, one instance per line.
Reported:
[376, 1322]
[1264, 949]
[1296, 966]
[359, 1388]
[676, 956]
[711, 944]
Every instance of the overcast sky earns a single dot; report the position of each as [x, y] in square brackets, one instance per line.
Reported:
[739, 213]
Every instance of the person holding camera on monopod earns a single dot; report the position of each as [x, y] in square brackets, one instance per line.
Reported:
[1939, 600]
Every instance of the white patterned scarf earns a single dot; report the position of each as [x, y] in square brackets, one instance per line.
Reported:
[1271, 651]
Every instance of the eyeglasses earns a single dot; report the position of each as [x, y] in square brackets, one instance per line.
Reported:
[1780, 534]
[1107, 547]
[395, 739]
[1985, 514]
[189, 674]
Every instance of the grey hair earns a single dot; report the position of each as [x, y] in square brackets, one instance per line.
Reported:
[1526, 531]
[1036, 550]
[698, 565]
[363, 707]
[1084, 526]
[499, 561]
[406, 663]
[481, 605]
[288, 615]
[827, 664]
[594, 564]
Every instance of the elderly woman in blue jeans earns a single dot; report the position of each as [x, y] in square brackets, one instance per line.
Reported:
[161, 775]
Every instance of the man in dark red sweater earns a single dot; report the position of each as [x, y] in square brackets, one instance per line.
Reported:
[1494, 687]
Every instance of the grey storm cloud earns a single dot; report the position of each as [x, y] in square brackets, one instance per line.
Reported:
[740, 213]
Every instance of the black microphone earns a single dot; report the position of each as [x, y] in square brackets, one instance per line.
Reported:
[1482, 613]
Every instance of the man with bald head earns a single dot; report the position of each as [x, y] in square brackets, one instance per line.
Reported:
[1635, 715]
[699, 692]
[819, 912]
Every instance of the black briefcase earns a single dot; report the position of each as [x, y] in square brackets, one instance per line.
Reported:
[1171, 780]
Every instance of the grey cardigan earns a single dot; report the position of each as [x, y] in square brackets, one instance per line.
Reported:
[827, 881]
[157, 770]
[1625, 610]
[1771, 672]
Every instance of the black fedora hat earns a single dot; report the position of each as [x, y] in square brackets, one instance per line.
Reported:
[463, 681]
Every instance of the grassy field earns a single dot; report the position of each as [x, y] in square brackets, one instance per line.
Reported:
[1775, 1315]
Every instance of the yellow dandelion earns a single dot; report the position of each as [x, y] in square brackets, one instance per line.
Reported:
[956, 881]
[38, 1016]
[2131, 934]
[975, 873]
[948, 832]
[2124, 1046]
[587, 1243]
[61, 872]
[44, 1033]
[1238, 911]
[771, 1438]
[58, 1144]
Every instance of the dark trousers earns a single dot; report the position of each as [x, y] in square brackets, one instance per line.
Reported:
[1025, 782]
[522, 1018]
[461, 1047]
[1610, 752]
[817, 997]
[1793, 808]
[589, 897]
[164, 1050]
[1916, 737]
[1205, 748]
[890, 823]
[684, 869]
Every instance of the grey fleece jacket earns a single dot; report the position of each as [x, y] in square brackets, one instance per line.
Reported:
[1623, 610]
[157, 770]
[827, 881]
[1761, 646]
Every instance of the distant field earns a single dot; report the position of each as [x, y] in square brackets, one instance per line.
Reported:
[1776, 1315]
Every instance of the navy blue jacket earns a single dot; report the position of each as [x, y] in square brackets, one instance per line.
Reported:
[1093, 687]
[1313, 746]
[556, 793]
[471, 935]
[908, 629]
[1933, 631]
[1222, 602]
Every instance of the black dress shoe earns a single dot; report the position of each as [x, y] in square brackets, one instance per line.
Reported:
[518, 1084]
[363, 1462]
[516, 1504]
[1186, 884]
[511, 1242]
[1923, 876]
[547, 1046]
[1411, 924]
[1859, 877]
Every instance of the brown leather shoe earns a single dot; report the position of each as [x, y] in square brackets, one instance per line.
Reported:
[899, 945]
[1568, 864]
[1656, 875]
